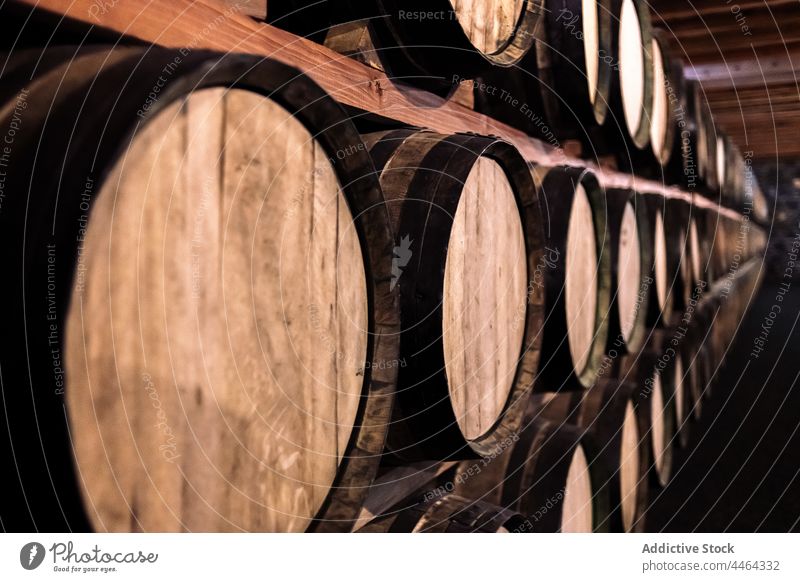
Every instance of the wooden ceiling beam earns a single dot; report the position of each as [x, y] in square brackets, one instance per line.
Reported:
[683, 9]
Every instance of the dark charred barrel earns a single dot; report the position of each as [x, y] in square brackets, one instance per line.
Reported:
[469, 262]
[656, 408]
[608, 413]
[160, 398]
[631, 258]
[450, 514]
[578, 280]
[544, 473]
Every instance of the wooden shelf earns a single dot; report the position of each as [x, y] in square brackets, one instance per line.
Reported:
[210, 24]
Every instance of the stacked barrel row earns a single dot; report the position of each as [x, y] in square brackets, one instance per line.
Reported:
[235, 310]
[599, 429]
[594, 71]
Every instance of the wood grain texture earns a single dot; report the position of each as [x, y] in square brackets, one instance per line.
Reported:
[224, 273]
[581, 280]
[489, 24]
[484, 286]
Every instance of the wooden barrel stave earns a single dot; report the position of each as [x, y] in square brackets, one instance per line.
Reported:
[467, 370]
[578, 282]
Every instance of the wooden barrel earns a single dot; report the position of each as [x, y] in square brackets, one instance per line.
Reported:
[631, 259]
[429, 43]
[469, 261]
[712, 225]
[656, 409]
[220, 300]
[668, 100]
[707, 369]
[544, 473]
[560, 90]
[694, 368]
[450, 514]
[734, 186]
[669, 346]
[665, 264]
[578, 280]
[704, 221]
[632, 81]
[608, 413]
